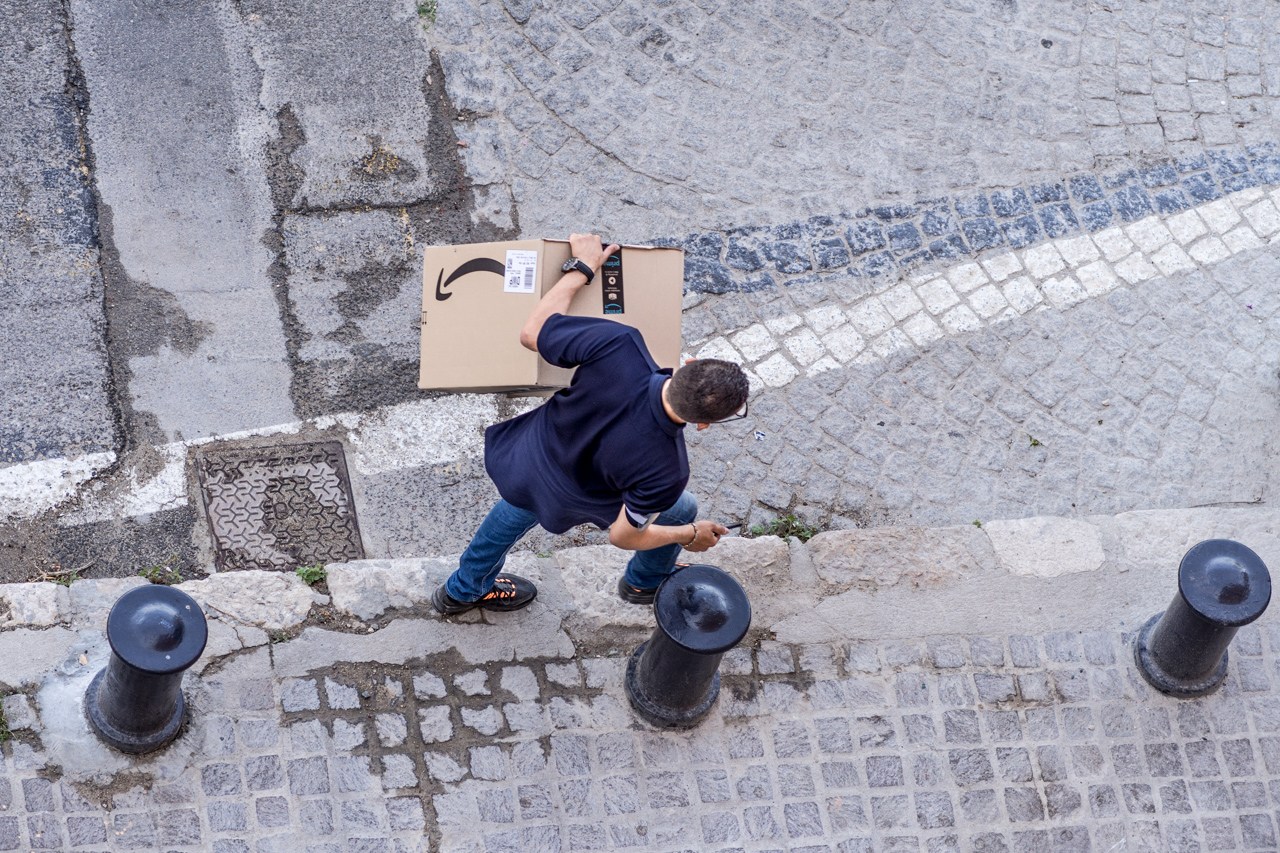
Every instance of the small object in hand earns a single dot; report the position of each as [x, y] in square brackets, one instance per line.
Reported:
[734, 526]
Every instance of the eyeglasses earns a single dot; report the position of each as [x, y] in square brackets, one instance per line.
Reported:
[737, 417]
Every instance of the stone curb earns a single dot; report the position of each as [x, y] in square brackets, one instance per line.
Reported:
[44, 624]
[1005, 576]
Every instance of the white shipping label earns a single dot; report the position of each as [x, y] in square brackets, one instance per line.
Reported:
[522, 271]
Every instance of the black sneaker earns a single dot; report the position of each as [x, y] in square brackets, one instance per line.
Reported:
[510, 592]
[631, 595]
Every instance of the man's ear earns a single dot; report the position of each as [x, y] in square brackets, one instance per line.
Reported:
[690, 360]
[701, 427]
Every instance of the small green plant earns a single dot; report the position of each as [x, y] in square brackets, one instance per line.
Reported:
[544, 554]
[427, 10]
[163, 573]
[784, 528]
[1035, 442]
[63, 577]
[977, 523]
[312, 575]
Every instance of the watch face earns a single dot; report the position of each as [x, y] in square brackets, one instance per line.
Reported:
[569, 265]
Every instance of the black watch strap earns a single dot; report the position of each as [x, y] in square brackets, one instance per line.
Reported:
[581, 267]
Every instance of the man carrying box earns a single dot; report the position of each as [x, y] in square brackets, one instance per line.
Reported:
[608, 450]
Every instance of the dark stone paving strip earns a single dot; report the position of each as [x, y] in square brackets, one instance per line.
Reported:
[886, 240]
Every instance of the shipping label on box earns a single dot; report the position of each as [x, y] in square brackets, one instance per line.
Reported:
[476, 298]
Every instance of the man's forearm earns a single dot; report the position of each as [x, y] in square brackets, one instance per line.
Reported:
[654, 536]
[556, 301]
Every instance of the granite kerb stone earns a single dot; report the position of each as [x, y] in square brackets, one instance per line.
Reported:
[247, 603]
[1095, 571]
[1013, 575]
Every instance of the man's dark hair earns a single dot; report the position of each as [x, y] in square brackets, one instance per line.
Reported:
[707, 390]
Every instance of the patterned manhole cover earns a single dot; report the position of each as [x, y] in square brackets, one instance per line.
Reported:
[279, 507]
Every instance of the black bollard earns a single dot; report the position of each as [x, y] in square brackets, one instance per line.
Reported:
[673, 679]
[135, 703]
[1222, 585]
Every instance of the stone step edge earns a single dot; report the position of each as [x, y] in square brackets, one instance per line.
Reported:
[1028, 575]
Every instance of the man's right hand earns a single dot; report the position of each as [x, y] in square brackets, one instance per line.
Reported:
[708, 537]
[587, 248]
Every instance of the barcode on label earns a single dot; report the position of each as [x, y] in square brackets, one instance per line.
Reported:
[522, 270]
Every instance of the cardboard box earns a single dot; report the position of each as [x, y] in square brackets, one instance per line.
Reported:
[476, 298]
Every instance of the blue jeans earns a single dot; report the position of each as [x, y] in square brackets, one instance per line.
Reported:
[505, 525]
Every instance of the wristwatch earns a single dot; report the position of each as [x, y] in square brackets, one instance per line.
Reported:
[575, 264]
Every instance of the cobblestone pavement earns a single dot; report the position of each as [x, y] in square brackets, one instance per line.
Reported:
[884, 207]
[1019, 743]
[1156, 394]
[637, 116]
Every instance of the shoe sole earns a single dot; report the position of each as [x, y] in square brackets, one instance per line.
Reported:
[626, 593]
[480, 605]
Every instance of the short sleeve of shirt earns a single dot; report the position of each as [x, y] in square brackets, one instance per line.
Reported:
[570, 341]
[645, 500]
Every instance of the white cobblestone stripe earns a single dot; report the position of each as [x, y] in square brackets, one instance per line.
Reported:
[896, 315]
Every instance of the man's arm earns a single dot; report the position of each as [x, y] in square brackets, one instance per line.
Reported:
[584, 247]
[629, 538]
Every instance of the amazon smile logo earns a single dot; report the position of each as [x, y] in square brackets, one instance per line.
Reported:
[476, 265]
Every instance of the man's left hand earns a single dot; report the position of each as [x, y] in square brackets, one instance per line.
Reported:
[588, 249]
[709, 534]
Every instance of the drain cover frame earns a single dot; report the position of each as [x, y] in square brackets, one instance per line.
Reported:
[278, 507]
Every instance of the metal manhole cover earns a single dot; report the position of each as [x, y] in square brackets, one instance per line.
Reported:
[279, 507]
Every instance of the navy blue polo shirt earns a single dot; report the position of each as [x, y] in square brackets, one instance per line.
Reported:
[603, 442]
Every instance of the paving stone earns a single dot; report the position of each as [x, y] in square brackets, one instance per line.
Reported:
[300, 695]
[398, 772]
[472, 683]
[392, 729]
[307, 776]
[263, 773]
[225, 816]
[347, 736]
[340, 696]
[259, 734]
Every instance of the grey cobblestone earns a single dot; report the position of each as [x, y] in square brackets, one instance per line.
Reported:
[1077, 86]
[1156, 433]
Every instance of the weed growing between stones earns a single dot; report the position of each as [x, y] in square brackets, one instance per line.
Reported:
[61, 576]
[163, 573]
[312, 575]
[784, 528]
[427, 12]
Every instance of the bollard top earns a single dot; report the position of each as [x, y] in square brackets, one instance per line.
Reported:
[157, 629]
[1224, 582]
[702, 609]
